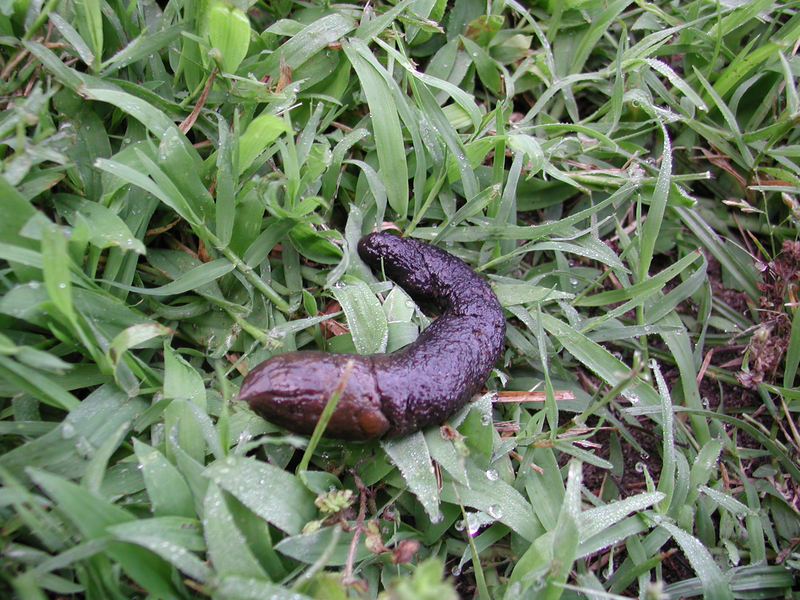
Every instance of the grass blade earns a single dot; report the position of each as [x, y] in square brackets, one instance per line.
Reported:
[385, 126]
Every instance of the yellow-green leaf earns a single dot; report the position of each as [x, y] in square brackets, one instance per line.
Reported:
[228, 32]
[262, 131]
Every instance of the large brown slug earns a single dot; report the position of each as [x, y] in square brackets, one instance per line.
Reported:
[389, 395]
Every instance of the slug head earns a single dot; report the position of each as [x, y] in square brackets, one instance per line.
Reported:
[292, 389]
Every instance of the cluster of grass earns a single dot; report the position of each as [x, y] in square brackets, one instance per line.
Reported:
[183, 185]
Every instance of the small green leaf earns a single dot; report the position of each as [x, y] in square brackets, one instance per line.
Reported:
[105, 226]
[158, 539]
[328, 541]
[183, 382]
[364, 314]
[311, 39]
[313, 245]
[260, 133]
[715, 586]
[228, 30]
[73, 37]
[511, 294]
[152, 118]
[56, 271]
[168, 492]
[490, 494]
[270, 492]
[133, 336]
[142, 47]
[410, 454]
[227, 547]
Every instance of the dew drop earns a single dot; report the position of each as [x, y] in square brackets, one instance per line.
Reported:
[492, 475]
[474, 523]
[67, 430]
[496, 511]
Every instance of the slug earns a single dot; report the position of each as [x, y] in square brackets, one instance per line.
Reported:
[390, 395]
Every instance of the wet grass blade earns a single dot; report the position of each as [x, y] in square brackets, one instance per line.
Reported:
[385, 126]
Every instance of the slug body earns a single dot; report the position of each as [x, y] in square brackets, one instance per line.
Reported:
[390, 395]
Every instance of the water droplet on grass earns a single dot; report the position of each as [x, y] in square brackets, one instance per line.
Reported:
[496, 511]
[67, 430]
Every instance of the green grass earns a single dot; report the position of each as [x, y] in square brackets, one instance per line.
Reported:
[178, 205]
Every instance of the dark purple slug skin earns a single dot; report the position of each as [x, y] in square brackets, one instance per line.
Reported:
[390, 395]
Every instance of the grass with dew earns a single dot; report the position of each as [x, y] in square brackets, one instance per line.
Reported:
[183, 186]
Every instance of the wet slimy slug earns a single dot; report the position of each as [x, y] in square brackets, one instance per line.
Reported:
[390, 395]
